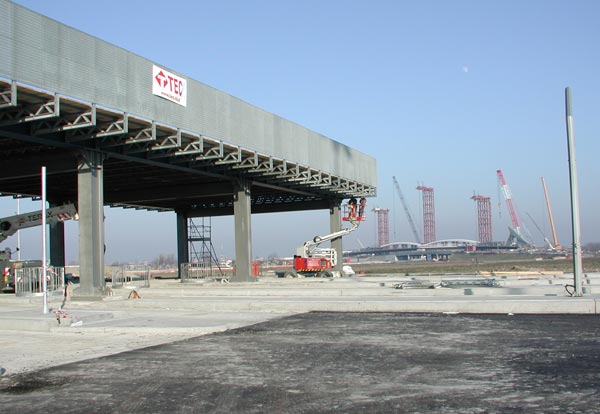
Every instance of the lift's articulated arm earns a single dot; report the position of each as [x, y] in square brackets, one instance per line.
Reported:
[304, 251]
[10, 225]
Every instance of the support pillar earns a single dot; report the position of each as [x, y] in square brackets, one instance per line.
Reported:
[335, 224]
[57, 244]
[183, 249]
[90, 206]
[243, 233]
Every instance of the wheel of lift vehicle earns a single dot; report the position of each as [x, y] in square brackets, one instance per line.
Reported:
[290, 273]
[325, 273]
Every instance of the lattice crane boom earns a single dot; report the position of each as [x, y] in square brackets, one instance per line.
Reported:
[515, 234]
[557, 246]
[411, 222]
[508, 199]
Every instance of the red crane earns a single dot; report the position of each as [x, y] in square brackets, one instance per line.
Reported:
[508, 198]
[515, 231]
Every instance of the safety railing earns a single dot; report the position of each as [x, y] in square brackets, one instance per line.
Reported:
[195, 271]
[29, 281]
[130, 276]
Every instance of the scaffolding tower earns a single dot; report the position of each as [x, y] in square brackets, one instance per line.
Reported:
[428, 214]
[484, 218]
[383, 227]
[201, 250]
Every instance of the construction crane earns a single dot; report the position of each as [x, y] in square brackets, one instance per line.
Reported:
[407, 211]
[556, 245]
[550, 247]
[515, 234]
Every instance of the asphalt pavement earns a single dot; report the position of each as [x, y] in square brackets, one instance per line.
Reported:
[305, 346]
[323, 362]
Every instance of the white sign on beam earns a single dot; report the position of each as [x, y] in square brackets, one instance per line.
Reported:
[169, 86]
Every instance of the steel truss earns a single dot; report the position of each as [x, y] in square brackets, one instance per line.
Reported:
[57, 118]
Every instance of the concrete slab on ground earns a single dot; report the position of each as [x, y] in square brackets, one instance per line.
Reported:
[169, 311]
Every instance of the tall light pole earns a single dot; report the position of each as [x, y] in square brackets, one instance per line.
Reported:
[44, 266]
[18, 233]
[577, 262]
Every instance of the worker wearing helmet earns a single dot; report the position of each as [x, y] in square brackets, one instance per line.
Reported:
[352, 204]
[362, 205]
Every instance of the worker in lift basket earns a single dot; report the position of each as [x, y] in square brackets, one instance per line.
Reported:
[361, 207]
[352, 204]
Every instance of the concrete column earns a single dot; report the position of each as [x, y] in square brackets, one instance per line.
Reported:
[90, 206]
[183, 250]
[243, 233]
[57, 244]
[335, 224]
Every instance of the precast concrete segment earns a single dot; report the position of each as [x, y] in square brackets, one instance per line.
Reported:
[339, 362]
[42, 52]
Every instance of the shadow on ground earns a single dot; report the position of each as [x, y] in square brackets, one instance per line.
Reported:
[339, 362]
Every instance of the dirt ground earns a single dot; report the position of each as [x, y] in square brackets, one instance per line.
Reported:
[477, 263]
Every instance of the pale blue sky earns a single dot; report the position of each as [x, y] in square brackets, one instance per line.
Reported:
[439, 92]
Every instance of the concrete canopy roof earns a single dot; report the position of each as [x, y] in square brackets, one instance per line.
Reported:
[157, 154]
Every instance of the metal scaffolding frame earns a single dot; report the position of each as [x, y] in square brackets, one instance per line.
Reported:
[428, 214]
[201, 248]
[484, 218]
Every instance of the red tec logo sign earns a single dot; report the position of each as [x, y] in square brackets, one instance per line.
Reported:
[169, 86]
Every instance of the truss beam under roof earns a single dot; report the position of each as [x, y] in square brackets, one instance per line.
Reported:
[148, 164]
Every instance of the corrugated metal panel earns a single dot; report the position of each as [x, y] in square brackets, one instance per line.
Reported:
[52, 56]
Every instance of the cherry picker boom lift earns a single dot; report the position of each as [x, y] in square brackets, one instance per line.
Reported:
[10, 225]
[311, 261]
